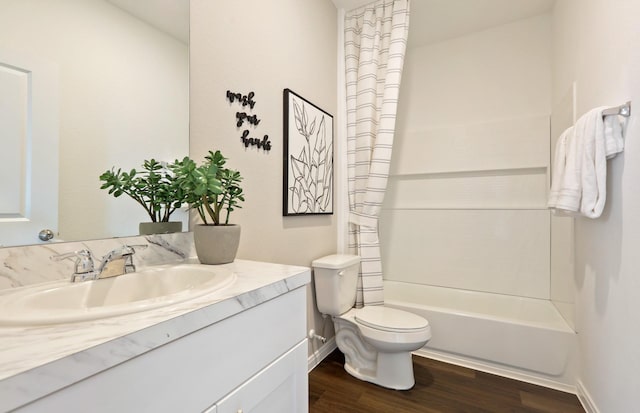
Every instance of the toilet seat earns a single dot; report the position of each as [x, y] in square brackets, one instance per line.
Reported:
[389, 329]
[390, 319]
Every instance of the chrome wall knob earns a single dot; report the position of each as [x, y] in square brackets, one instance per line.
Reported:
[45, 235]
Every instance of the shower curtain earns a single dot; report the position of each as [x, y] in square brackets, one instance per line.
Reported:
[375, 45]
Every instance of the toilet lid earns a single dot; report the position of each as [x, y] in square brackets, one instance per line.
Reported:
[390, 319]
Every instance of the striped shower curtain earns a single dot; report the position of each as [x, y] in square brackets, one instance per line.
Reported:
[375, 44]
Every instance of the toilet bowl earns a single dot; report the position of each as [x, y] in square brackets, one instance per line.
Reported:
[377, 341]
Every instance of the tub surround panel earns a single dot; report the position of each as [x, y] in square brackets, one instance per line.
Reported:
[466, 207]
[515, 189]
[494, 74]
[20, 266]
[499, 251]
[512, 143]
[34, 361]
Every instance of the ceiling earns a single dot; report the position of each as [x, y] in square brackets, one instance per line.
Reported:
[433, 21]
[169, 16]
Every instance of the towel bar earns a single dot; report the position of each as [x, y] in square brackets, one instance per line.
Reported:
[622, 110]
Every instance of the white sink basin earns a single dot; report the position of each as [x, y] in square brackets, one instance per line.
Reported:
[65, 302]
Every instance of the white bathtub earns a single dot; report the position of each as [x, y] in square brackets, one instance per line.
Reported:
[519, 337]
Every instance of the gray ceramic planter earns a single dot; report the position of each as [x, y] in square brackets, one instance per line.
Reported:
[216, 244]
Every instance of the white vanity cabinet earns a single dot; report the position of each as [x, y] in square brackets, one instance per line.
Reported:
[252, 361]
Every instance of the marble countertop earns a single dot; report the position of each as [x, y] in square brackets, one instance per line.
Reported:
[37, 360]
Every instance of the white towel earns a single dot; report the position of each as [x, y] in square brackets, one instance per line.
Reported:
[566, 189]
[613, 136]
[590, 130]
[580, 168]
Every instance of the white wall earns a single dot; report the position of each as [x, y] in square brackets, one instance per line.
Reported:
[595, 44]
[466, 206]
[123, 98]
[263, 47]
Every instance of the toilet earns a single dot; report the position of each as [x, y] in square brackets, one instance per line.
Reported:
[376, 341]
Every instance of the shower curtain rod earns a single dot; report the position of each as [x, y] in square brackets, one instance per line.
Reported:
[622, 110]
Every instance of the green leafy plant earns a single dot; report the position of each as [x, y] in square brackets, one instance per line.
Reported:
[209, 188]
[155, 188]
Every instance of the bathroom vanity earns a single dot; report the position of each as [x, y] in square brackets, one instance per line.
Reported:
[239, 349]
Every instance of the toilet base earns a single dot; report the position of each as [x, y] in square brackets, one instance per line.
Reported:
[394, 371]
[363, 361]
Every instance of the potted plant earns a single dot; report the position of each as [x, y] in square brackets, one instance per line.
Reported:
[214, 191]
[155, 188]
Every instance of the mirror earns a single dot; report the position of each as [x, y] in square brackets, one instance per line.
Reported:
[121, 74]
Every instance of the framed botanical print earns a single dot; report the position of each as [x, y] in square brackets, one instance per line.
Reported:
[308, 157]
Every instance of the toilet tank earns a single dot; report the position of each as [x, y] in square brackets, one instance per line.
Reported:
[335, 278]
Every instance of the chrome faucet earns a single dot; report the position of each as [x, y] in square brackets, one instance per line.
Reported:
[117, 262]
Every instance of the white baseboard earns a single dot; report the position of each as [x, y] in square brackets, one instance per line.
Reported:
[585, 399]
[317, 356]
[496, 369]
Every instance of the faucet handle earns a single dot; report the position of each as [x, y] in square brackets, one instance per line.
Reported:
[83, 265]
[81, 255]
[133, 248]
[127, 250]
[123, 251]
[129, 266]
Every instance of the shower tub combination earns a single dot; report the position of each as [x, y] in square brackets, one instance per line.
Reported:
[518, 337]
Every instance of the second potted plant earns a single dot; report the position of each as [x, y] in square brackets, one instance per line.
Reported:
[154, 188]
[214, 192]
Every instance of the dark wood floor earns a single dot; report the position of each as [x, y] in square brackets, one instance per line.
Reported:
[440, 388]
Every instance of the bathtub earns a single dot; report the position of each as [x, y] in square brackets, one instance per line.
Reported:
[518, 337]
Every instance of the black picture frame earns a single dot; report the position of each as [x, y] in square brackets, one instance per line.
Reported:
[307, 157]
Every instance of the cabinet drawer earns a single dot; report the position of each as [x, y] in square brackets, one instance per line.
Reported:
[280, 388]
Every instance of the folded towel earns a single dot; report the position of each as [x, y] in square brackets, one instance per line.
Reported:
[590, 130]
[580, 167]
[566, 187]
[613, 136]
